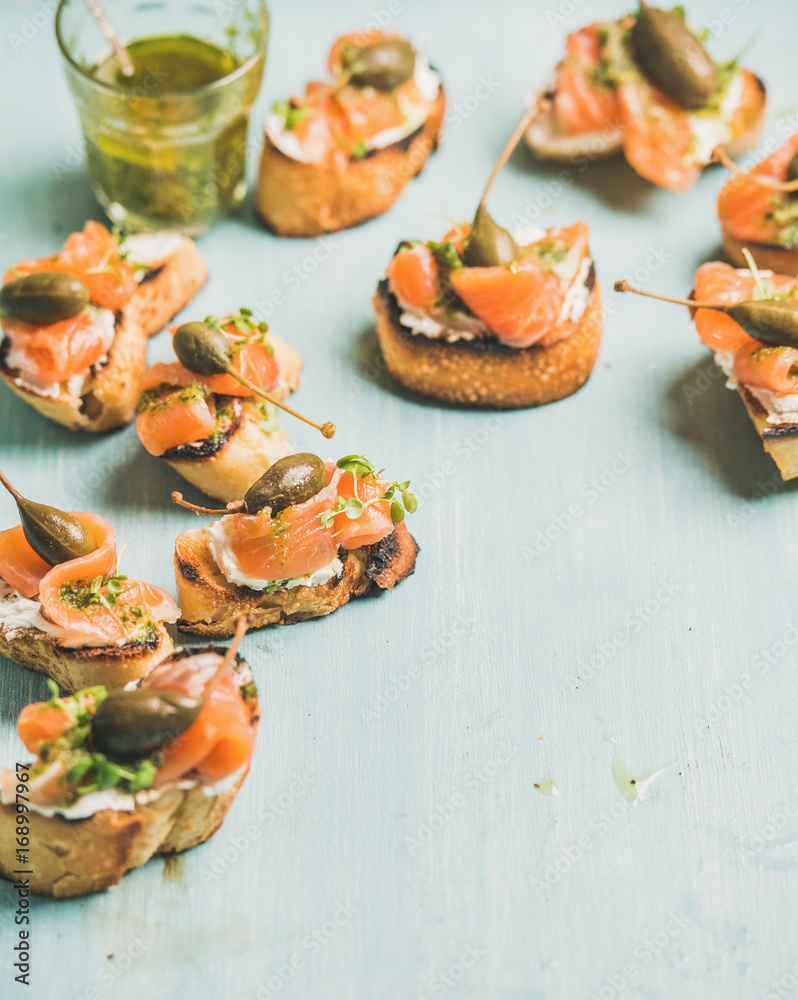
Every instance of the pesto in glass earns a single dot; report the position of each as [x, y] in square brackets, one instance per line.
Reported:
[167, 147]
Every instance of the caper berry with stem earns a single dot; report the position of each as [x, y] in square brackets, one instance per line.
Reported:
[384, 65]
[207, 351]
[133, 724]
[292, 480]
[488, 244]
[44, 297]
[770, 321]
[53, 534]
[673, 58]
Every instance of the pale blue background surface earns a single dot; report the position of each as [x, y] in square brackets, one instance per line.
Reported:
[658, 613]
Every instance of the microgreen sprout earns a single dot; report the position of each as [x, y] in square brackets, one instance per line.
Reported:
[244, 323]
[290, 113]
[353, 507]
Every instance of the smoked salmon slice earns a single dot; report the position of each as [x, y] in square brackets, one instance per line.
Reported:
[519, 304]
[414, 277]
[20, 566]
[773, 368]
[63, 589]
[292, 544]
[332, 122]
[217, 744]
[173, 422]
[295, 543]
[722, 284]
[42, 721]
[657, 137]
[743, 207]
[365, 114]
[92, 256]
[580, 104]
[54, 353]
[374, 523]
[522, 304]
[253, 358]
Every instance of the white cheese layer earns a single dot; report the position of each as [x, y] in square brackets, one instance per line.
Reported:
[16, 359]
[428, 83]
[110, 798]
[714, 128]
[781, 407]
[150, 249]
[17, 613]
[220, 537]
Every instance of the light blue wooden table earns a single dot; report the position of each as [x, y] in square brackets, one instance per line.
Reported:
[391, 841]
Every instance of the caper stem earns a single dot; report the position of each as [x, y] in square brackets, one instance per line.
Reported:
[328, 429]
[624, 286]
[233, 509]
[14, 493]
[512, 142]
[719, 155]
[243, 622]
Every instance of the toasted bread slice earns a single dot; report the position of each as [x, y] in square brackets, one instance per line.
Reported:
[73, 857]
[73, 669]
[548, 142]
[486, 373]
[768, 256]
[110, 393]
[779, 440]
[302, 199]
[225, 466]
[210, 604]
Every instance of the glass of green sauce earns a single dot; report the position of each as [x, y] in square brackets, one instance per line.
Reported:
[167, 147]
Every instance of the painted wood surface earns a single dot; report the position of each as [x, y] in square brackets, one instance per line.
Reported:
[618, 563]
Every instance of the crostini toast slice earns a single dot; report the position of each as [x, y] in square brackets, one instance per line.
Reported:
[109, 396]
[768, 256]
[547, 141]
[304, 199]
[76, 856]
[779, 441]
[73, 669]
[209, 604]
[485, 372]
[225, 466]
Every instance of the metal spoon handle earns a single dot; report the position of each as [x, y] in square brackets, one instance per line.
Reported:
[108, 30]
